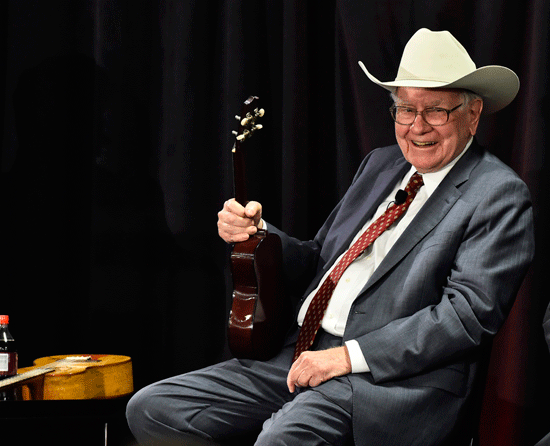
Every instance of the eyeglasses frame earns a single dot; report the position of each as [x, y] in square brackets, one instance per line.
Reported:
[421, 113]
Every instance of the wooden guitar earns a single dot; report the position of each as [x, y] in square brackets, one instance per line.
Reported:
[74, 378]
[260, 314]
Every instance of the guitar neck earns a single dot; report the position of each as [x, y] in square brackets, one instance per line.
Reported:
[247, 120]
[239, 177]
[26, 376]
[37, 371]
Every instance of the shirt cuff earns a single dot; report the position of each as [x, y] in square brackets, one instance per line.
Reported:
[358, 362]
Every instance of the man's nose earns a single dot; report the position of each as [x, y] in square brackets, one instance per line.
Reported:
[419, 124]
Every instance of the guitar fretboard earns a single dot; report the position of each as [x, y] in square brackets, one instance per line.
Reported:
[69, 360]
[24, 376]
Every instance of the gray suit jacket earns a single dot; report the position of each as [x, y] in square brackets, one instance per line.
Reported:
[426, 315]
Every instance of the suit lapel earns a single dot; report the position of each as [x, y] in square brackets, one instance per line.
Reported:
[385, 181]
[431, 214]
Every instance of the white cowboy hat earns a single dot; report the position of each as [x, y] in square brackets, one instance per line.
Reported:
[435, 59]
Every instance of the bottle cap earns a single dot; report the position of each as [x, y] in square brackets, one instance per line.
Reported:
[4, 319]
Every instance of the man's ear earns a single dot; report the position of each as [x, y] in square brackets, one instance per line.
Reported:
[475, 109]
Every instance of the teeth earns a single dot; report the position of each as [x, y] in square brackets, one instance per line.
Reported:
[422, 144]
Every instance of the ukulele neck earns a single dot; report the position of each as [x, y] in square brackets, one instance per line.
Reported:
[247, 126]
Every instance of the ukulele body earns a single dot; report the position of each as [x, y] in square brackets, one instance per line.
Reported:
[260, 315]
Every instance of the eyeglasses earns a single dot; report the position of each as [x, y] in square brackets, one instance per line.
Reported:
[434, 116]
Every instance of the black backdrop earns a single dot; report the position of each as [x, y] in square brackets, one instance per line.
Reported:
[116, 137]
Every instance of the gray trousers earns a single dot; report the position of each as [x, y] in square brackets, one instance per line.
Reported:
[545, 441]
[223, 403]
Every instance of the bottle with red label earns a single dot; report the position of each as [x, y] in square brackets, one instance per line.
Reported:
[8, 350]
[8, 359]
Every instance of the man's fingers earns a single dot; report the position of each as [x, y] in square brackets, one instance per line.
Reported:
[315, 367]
[298, 376]
[233, 207]
[237, 223]
[253, 210]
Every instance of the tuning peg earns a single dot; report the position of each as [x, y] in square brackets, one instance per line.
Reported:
[258, 127]
[260, 112]
[240, 137]
[234, 132]
[237, 117]
[244, 121]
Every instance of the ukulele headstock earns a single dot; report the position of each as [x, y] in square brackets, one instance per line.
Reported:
[247, 120]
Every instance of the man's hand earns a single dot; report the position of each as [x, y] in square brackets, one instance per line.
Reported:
[236, 223]
[315, 367]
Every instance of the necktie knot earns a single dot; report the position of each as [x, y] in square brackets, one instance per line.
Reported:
[415, 182]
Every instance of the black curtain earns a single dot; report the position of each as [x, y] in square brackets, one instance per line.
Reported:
[116, 157]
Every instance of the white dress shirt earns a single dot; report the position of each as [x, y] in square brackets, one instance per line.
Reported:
[361, 269]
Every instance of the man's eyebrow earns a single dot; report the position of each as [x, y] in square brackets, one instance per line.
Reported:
[436, 103]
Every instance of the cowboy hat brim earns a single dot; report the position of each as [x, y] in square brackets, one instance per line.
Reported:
[497, 85]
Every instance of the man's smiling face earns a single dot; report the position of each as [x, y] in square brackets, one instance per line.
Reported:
[430, 148]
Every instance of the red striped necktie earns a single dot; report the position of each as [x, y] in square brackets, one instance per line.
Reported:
[319, 303]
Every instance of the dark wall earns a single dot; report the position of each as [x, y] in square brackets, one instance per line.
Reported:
[116, 139]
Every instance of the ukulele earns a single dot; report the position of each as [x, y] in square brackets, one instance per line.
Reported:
[260, 313]
[74, 377]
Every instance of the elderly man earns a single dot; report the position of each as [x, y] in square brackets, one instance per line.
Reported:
[411, 276]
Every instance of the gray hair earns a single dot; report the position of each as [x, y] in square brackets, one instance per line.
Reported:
[470, 96]
[467, 95]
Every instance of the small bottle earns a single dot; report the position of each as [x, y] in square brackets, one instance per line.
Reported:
[8, 350]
